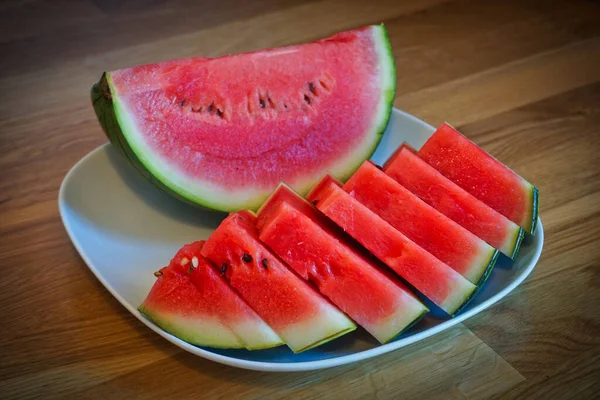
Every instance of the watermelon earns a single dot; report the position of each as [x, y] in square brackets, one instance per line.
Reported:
[480, 174]
[435, 189]
[383, 306]
[439, 235]
[191, 301]
[294, 309]
[434, 279]
[222, 133]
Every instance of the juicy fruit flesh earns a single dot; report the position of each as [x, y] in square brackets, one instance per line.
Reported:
[421, 223]
[382, 306]
[290, 306]
[451, 200]
[473, 169]
[440, 283]
[243, 123]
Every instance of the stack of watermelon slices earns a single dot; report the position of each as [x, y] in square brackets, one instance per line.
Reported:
[306, 271]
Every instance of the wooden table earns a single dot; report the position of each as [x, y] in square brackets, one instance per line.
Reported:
[522, 79]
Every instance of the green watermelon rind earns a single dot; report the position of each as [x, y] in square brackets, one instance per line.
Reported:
[186, 335]
[534, 210]
[113, 117]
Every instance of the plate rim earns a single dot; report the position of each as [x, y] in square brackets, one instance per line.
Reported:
[289, 366]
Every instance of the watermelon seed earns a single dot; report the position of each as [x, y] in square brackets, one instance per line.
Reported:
[219, 113]
[247, 258]
[311, 87]
[265, 263]
[315, 201]
[324, 85]
[184, 261]
[307, 99]
[262, 103]
[182, 103]
[157, 274]
[195, 262]
[211, 107]
[223, 268]
[379, 167]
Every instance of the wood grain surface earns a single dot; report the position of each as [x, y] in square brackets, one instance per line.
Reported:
[520, 78]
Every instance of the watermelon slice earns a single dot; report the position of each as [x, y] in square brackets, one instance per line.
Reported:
[480, 174]
[222, 133]
[295, 310]
[435, 189]
[383, 306]
[445, 239]
[436, 280]
[191, 301]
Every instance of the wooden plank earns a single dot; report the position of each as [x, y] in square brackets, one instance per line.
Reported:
[506, 87]
[467, 368]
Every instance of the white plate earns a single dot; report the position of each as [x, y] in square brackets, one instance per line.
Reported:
[125, 229]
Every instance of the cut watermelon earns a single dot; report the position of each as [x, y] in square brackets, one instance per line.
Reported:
[480, 174]
[192, 302]
[445, 239]
[435, 189]
[296, 311]
[384, 307]
[222, 133]
[436, 280]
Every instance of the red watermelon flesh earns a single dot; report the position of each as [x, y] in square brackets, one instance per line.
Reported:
[384, 307]
[436, 280]
[451, 200]
[439, 235]
[198, 306]
[224, 132]
[295, 310]
[480, 174]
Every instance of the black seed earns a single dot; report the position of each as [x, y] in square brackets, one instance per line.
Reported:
[157, 274]
[315, 201]
[285, 105]
[182, 103]
[262, 103]
[247, 258]
[265, 263]
[307, 99]
[223, 268]
[311, 87]
[211, 107]
[219, 113]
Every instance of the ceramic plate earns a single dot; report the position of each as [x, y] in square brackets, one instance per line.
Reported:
[125, 229]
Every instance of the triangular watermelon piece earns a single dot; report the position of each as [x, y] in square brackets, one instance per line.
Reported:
[375, 300]
[223, 132]
[436, 280]
[408, 169]
[439, 235]
[477, 172]
[191, 301]
[294, 309]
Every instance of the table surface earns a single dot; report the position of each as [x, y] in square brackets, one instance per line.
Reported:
[520, 78]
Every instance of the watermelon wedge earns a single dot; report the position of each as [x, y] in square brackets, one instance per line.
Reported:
[439, 235]
[480, 174]
[436, 280]
[191, 301]
[380, 304]
[406, 168]
[295, 310]
[222, 133]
